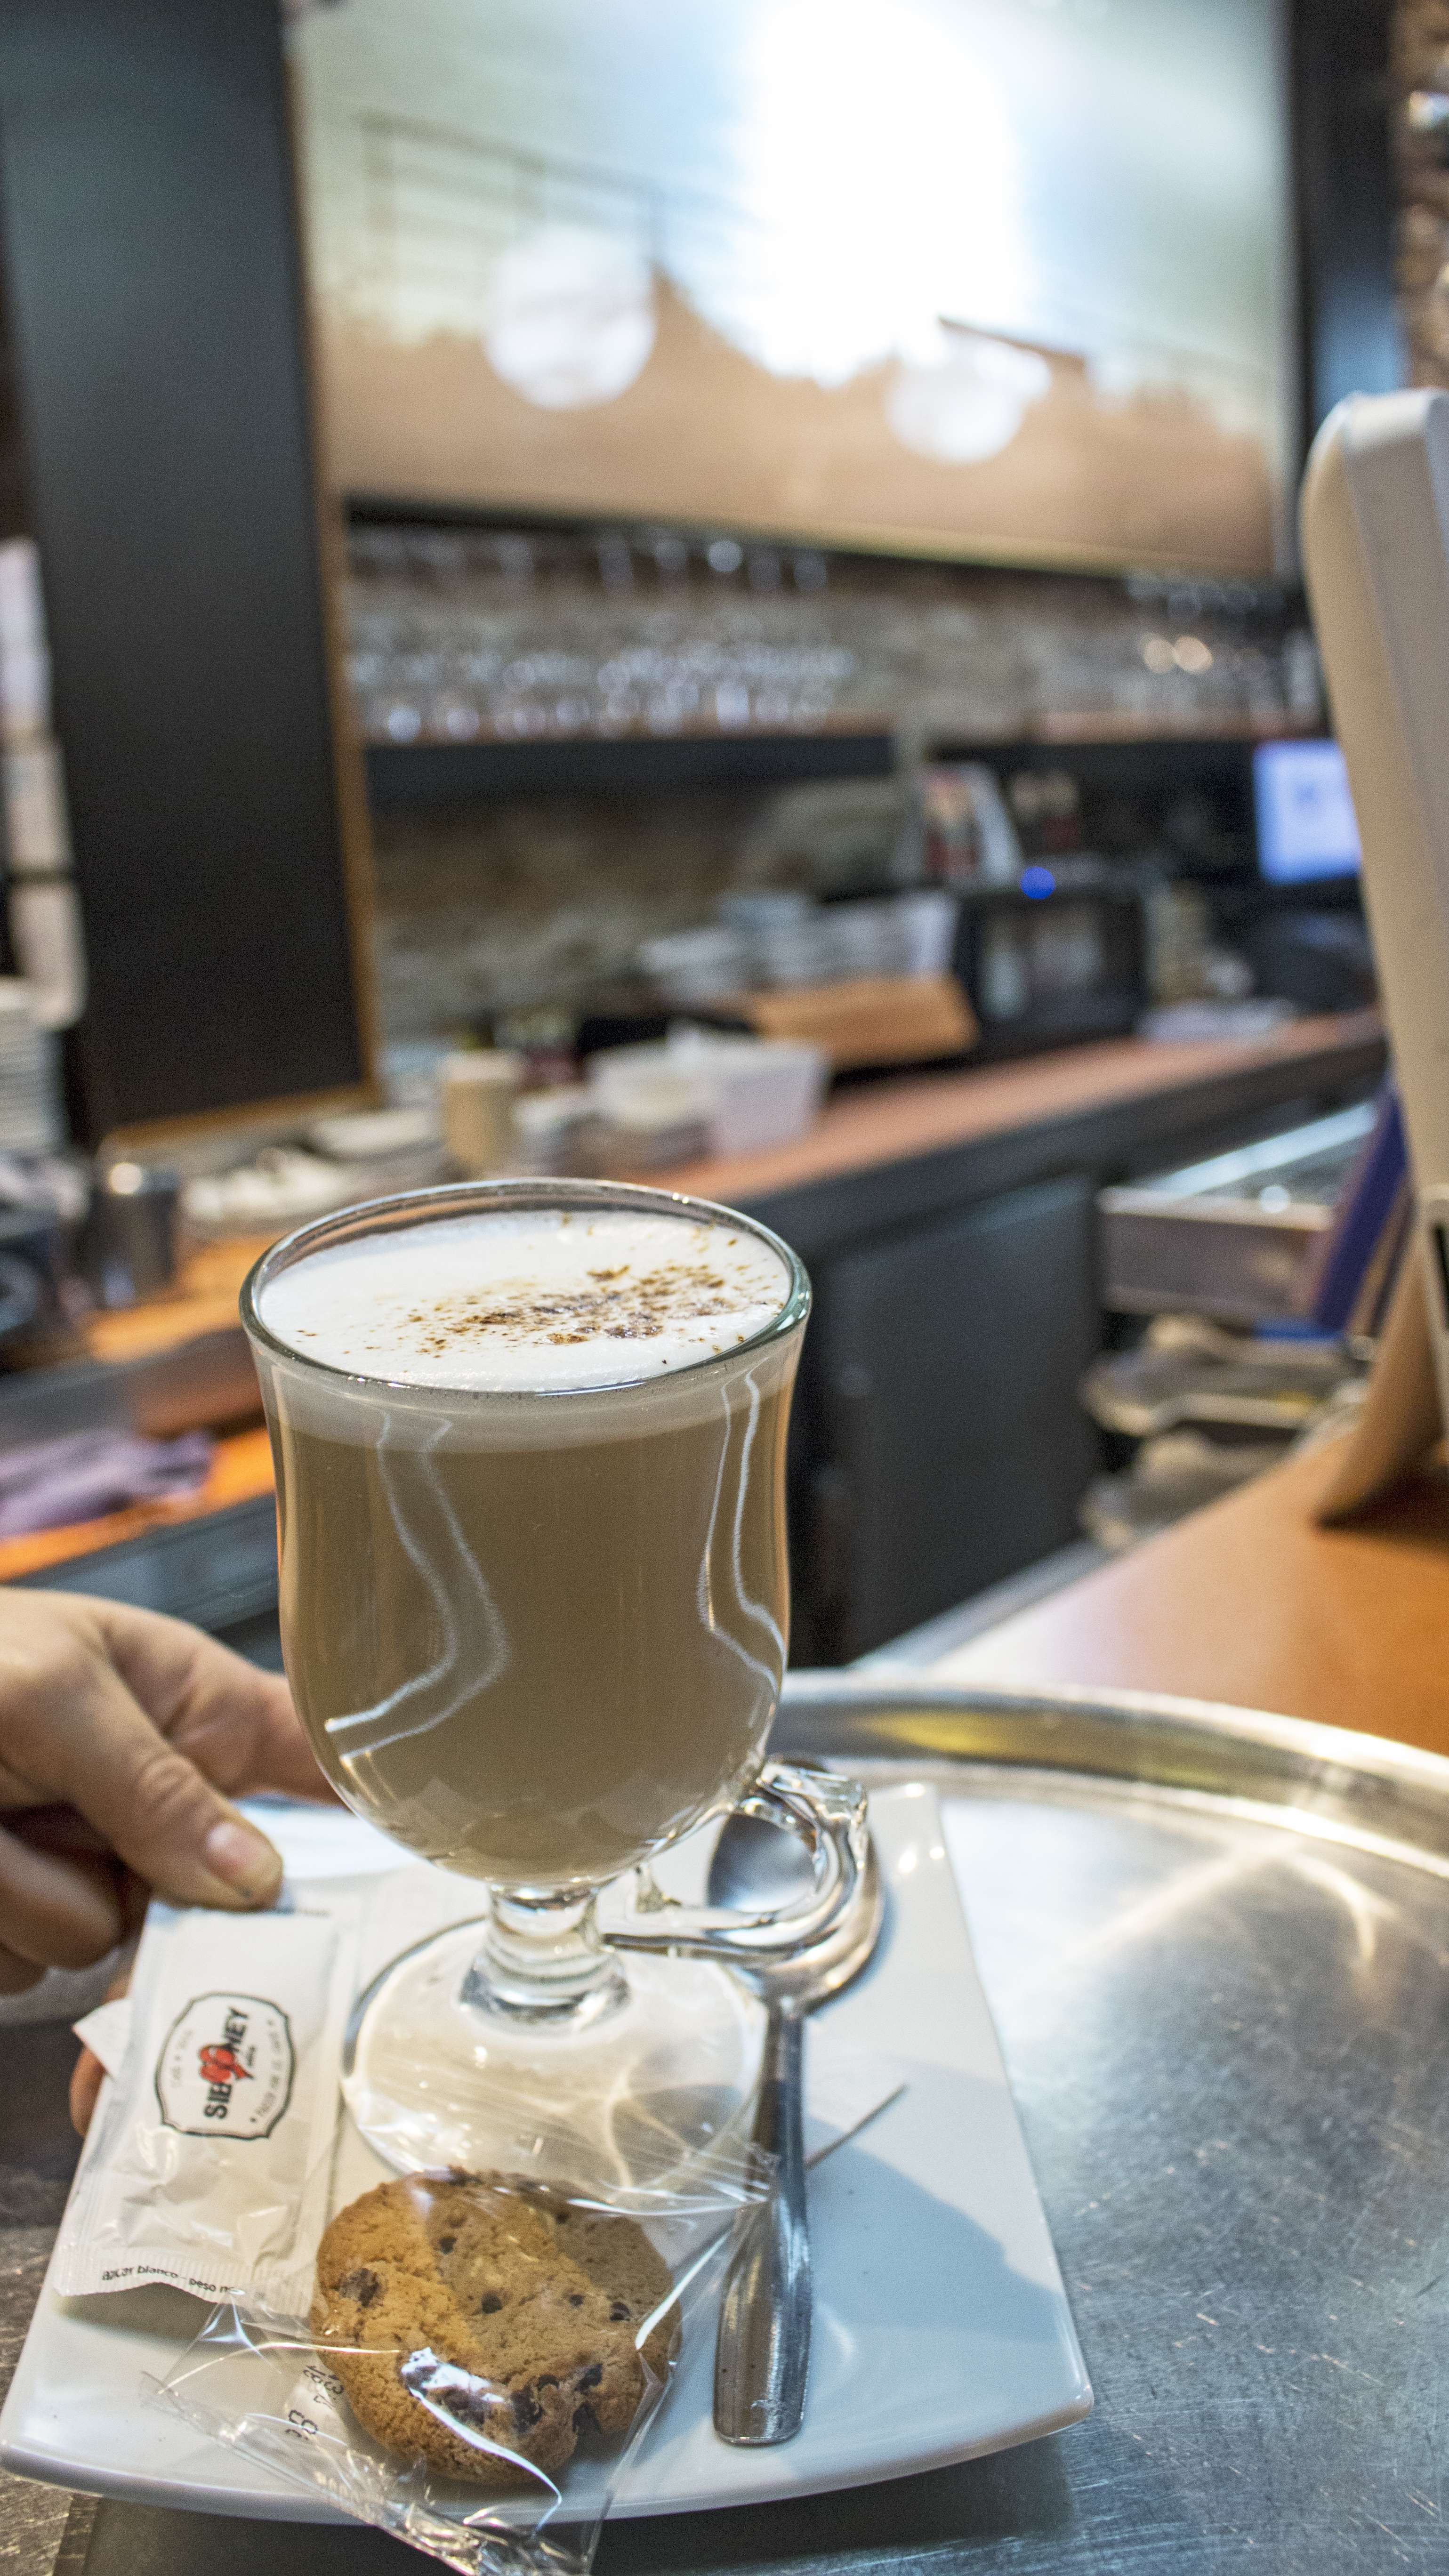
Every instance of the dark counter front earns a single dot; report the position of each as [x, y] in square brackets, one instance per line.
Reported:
[949, 1224]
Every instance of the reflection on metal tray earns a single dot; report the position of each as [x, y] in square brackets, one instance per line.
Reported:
[1232, 1237]
[1217, 1948]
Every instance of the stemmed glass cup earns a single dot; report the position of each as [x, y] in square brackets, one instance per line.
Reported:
[538, 1637]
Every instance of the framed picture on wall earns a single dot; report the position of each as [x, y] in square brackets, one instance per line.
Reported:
[992, 278]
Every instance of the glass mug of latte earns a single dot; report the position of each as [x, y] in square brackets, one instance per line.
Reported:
[530, 1459]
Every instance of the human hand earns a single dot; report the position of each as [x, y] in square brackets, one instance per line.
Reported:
[124, 1738]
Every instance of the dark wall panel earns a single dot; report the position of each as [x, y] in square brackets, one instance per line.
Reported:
[1339, 52]
[154, 297]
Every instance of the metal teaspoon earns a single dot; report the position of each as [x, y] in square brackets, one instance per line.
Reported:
[762, 2354]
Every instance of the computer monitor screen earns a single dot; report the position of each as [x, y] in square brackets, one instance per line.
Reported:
[1305, 816]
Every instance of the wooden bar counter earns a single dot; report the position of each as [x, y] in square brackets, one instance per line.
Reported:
[917, 1116]
[1250, 1602]
[949, 1224]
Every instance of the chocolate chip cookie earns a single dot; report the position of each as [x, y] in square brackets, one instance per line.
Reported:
[486, 2327]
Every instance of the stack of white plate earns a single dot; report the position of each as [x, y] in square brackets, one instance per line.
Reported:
[30, 1111]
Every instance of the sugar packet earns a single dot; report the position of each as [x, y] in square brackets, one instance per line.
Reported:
[209, 2159]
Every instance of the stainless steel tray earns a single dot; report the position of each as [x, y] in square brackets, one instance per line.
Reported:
[1217, 1947]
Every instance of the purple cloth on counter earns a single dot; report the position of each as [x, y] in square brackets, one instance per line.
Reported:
[92, 1472]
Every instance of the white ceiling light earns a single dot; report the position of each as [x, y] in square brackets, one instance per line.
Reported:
[571, 319]
[964, 397]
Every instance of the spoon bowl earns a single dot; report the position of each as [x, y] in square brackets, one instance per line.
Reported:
[757, 1863]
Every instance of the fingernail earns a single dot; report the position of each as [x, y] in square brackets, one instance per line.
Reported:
[243, 1859]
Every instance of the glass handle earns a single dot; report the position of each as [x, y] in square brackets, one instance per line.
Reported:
[828, 1815]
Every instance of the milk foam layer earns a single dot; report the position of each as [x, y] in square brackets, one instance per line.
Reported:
[536, 1300]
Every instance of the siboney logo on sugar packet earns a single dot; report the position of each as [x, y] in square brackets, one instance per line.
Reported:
[226, 2067]
[209, 2160]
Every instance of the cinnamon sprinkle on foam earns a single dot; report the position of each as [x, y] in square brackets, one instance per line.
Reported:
[516, 1300]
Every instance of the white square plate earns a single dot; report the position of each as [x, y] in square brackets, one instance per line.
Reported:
[941, 2326]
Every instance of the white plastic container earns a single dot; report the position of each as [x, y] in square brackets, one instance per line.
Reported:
[752, 1092]
[767, 1091]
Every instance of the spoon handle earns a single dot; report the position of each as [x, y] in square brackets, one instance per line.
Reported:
[762, 2355]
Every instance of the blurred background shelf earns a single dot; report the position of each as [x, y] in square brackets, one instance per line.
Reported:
[438, 773]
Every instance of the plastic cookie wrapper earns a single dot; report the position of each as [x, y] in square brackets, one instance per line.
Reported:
[481, 2358]
[547, 2408]
[209, 2160]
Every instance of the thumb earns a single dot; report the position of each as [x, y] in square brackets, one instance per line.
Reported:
[153, 1806]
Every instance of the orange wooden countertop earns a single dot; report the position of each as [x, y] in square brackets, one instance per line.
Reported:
[203, 1300]
[891, 1122]
[1250, 1602]
[240, 1470]
[927, 1113]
